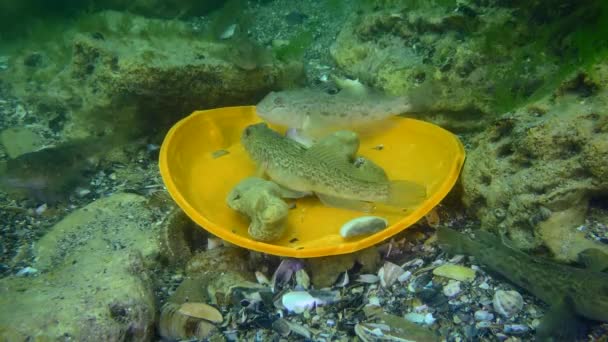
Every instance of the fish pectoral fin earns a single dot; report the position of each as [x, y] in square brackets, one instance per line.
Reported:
[344, 203]
[594, 259]
[260, 172]
[560, 323]
[292, 194]
[405, 193]
[338, 147]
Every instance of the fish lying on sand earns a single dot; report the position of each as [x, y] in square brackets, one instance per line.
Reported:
[316, 113]
[327, 169]
[569, 290]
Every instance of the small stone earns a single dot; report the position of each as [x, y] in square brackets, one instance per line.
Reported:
[484, 286]
[515, 329]
[452, 289]
[507, 303]
[414, 317]
[362, 226]
[482, 315]
[302, 279]
[405, 276]
[368, 278]
[375, 301]
[455, 272]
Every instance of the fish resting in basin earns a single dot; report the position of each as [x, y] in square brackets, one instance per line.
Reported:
[314, 113]
[327, 170]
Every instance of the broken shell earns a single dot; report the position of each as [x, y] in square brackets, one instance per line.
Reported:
[507, 303]
[455, 272]
[363, 225]
[299, 301]
[369, 332]
[368, 278]
[201, 310]
[343, 280]
[174, 325]
[432, 218]
[300, 330]
[302, 279]
[405, 276]
[261, 278]
[284, 272]
[282, 327]
[389, 273]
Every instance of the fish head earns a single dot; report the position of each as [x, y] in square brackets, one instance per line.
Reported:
[275, 108]
[256, 139]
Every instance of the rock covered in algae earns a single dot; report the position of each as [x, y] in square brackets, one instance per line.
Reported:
[260, 200]
[93, 267]
[107, 85]
[533, 173]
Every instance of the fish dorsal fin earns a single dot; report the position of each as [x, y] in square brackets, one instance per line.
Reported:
[345, 143]
[340, 150]
[331, 154]
[368, 170]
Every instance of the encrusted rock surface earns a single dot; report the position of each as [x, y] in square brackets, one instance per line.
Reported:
[92, 280]
[540, 161]
[116, 71]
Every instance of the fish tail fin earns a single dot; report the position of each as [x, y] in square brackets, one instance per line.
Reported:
[454, 242]
[405, 193]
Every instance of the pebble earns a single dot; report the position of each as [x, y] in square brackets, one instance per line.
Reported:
[482, 315]
[414, 317]
[515, 329]
[452, 289]
[455, 272]
[405, 276]
[362, 226]
[507, 303]
[484, 286]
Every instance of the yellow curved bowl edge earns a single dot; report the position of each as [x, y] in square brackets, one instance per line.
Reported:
[199, 182]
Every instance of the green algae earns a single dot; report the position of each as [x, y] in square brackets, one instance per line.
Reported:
[295, 49]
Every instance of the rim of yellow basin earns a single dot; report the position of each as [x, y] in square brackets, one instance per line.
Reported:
[201, 160]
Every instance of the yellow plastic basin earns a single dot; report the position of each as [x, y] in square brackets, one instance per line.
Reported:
[199, 180]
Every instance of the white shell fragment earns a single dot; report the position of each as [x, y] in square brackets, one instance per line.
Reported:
[389, 273]
[507, 303]
[228, 32]
[261, 278]
[368, 278]
[362, 226]
[302, 279]
[201, 310]
[299, 301]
